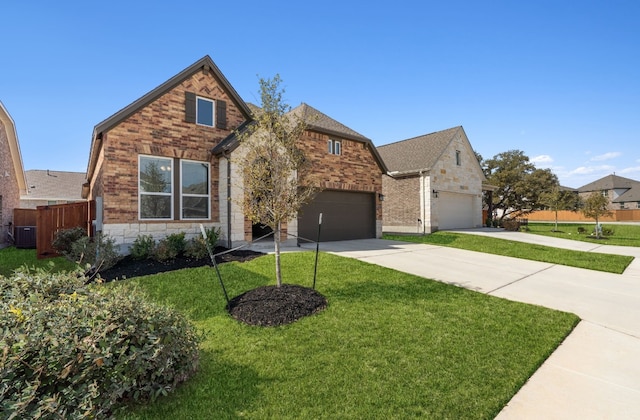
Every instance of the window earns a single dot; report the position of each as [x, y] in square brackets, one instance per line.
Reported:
[204, 111]
[334, 147]
[194, 190]
[458, 158]
[155, 188]
[157, 200]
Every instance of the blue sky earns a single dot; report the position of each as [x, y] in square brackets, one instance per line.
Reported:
[558, 80]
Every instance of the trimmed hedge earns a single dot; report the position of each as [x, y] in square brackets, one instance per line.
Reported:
[73, 351]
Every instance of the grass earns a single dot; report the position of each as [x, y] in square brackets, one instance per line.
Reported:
[623, 234]
[12, 258]
[389, 345]
[589, 260]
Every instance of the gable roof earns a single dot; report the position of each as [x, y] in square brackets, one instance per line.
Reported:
[418, 153]
[315, 121]
[609, 182]
[205, 63]
[14, 148]
[54, 185]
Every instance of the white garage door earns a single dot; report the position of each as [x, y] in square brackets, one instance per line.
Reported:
[455, 211]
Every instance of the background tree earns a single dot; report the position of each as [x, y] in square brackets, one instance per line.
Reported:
[275, 182]
[595, 207]
[520, 184]
[560, 198]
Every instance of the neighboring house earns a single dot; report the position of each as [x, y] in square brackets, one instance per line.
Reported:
[434, 182]
[13, 184]
[45, 187]
[623, 193]
[156, 167]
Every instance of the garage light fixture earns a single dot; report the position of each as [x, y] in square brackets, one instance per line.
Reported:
[435, 193]
[380, 197]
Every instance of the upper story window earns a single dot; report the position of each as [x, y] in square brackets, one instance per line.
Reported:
[204, 111]
[458, 158]
[334, 147]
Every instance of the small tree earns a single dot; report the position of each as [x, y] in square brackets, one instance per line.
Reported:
[560, 199]
[595, 207]
[275, 182]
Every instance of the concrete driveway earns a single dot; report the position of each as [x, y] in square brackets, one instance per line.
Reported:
[595, 373]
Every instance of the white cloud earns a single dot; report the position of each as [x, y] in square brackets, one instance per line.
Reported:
[586, 170]
[630, 170]
[542, 159]
[606, 156]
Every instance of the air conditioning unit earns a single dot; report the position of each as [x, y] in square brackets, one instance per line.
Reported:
[25, 236]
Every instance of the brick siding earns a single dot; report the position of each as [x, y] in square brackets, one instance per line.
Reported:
[159, 129]
[9, 189]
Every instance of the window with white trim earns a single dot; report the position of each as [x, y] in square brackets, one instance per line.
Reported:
[334, 147]
[194, 190]
[158, 199]
[205, 111]
[155, 188]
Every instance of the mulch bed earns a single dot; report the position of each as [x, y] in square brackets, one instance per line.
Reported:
[129, 267]
[270, 306]
[266, 306]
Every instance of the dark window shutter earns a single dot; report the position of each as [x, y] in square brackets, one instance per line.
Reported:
[190, 107]
[221, 114]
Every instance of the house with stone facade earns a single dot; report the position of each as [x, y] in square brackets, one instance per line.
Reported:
[623, 193]
[167, 163]
[13, 183]
[434, 182]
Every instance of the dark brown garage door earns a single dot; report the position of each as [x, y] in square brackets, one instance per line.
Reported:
[345, 215]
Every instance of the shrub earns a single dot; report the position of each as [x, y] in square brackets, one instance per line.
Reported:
[98, 252]
[143, 247]
[511, 225]
[170, 247]
[74, 351]
[197, 248]
[65, 238]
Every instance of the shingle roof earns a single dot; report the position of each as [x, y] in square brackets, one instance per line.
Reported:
[417, 153]
[204, 63]
[609, 182]
[54, 185]
[316, 121]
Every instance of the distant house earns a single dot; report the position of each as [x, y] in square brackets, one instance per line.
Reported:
[166, 163]
[623, 193]
[13, 183]
[434, 182]
[46, 187]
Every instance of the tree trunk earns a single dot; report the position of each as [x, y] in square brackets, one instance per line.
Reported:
[556, 228]
[276, 243]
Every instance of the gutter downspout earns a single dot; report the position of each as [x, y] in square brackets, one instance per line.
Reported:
[424, 203]
[226, 156]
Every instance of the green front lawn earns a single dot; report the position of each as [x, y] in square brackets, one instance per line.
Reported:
[589, 260]
[623, 234]
[389, 345]
[12, 258]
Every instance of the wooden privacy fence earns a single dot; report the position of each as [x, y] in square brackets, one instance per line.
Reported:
[48, 220]
[569, 216]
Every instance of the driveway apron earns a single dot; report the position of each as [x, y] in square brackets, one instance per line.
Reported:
[595, 373]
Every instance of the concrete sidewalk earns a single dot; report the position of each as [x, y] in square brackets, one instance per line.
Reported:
[595, 373]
